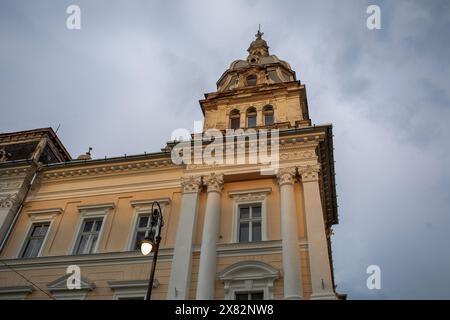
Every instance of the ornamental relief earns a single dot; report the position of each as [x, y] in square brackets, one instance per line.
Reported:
[7, 201]
[297, 155]
[10, 185]
[214, 182]
[286, 175]
[191, 184]
[309, 172]
[249, 197]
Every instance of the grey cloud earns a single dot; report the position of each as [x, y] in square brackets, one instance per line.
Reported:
[136, 70]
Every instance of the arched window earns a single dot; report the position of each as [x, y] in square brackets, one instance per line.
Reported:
[249, 280]
[235, 119]
[268, 115]
[251, 117]
[251, 80]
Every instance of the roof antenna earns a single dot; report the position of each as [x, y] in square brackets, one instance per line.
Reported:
[59, 125]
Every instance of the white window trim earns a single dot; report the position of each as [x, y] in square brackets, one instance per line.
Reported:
[237, 278]
[142, 207]
[131, 288]
[91, 212]
[15, 292]
[244, 197]
[39, 216]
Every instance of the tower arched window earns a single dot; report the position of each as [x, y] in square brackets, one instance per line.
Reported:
[251, 117]
[251, 80]
[235, 119]
[268, 115]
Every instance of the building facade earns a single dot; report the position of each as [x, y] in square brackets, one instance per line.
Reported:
[233, 230]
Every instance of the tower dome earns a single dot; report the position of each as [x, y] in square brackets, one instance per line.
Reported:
[260, 68]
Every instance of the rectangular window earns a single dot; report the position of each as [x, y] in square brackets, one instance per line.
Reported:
[268, 119]
[250, 223]
[143, 229]
[253, 295]
[235, 123]
[35, 240]
[88, 236]
[251, 121]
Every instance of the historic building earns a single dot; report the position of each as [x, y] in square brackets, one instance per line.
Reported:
[232, 230]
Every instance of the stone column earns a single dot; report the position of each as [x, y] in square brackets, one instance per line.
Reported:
[293, 288]
[207, 271]
[180, 276]
[319, 261]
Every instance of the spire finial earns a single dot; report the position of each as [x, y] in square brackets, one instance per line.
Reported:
[259, 34]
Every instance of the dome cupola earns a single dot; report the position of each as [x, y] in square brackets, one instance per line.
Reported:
[260, 68]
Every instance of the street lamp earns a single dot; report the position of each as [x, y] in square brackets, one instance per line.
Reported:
[151, 242]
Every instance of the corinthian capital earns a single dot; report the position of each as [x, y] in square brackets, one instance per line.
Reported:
[309, 172]
[214, 182]
[191, 184]
[286, 175]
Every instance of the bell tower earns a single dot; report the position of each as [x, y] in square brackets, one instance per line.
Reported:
[260, 91]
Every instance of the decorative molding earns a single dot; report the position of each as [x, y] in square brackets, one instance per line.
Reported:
[133, 257]
[8, 200]
[245, 276]
[309, 173]
[13, 172]
[297, 155]
[44, 214]
[87, 210]
[10, 185]
[15, 292]
[191, 184]
[128, 284]
[286, 175]
[60, 291]
[214, 182]
[149, 202]
[250, 195]
[107, 190]
[131, 289]
[109, 169]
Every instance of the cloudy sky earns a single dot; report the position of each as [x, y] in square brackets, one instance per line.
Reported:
[136, 70]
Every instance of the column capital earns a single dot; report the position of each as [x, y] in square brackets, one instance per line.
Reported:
[191, 184]
[214, 182]
[309, 173]
[286, 175]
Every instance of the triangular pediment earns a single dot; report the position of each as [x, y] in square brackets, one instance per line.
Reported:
[61, 284]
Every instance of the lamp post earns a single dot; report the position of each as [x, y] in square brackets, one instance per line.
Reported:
[151, 242]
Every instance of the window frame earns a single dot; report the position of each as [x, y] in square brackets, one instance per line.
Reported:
[138, 229]
[249, 197]
[28, 238]
[87, 212]
[81, 231]
[251, 113]
[142, 207]
[249, 292]
[235, 114]
[39, 216]
[268, 109]
[249, 275]
[250, 220]
[253, 77]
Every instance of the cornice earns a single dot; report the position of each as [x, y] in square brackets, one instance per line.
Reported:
[94, 170]
[131, 257]
[149, 202]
